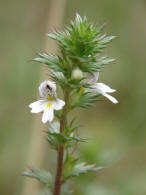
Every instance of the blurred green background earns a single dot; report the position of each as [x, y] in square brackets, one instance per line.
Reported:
[116, 132]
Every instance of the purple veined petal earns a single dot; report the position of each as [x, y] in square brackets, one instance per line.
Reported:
[59, 104]
[48, 114]
[111, 98]
[37, 106]
[47, 88]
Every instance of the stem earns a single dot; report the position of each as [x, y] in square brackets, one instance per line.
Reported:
[58, 182]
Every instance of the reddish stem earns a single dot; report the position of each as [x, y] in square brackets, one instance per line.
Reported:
[57, 185]
[58, 182]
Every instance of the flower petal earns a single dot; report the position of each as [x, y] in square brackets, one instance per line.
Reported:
[37, 106]
[103, 88]
[47, 88]
[94, 78]
[111, 98]
[59, 104]
[48, 114]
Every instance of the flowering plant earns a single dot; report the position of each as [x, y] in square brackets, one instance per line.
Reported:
[75, 70]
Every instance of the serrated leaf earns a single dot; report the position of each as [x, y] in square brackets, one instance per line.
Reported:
[56, 139]
[66, 138]
[41, 175]
[72, 168]
[59, 78]
[52, 61]
[82, 168]
[108, 39]
[52, 36]
[83, 100]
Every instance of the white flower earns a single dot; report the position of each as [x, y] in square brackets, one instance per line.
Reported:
[101, 88]
[47, 107]
[48, 103]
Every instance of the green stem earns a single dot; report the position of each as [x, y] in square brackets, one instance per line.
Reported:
[58, 182]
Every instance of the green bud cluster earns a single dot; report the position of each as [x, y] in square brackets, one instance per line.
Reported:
[80, 45]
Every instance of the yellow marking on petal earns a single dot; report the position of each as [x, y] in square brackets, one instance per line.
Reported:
[82, 89]
[50, 98]
[49, 105]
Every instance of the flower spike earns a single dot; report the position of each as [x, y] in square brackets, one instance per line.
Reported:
[75, 70]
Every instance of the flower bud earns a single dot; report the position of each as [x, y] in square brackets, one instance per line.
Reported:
[77, 74]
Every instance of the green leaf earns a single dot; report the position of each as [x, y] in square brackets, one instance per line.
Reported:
[82, 168]
[56, 139]
[52, 61]
[72, 168]
[82, 99]
[96, 65]
[41, 175]
[68, 167]
[108, 39]
[66, 138]
[59, 78]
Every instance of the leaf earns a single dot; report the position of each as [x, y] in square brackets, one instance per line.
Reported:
[51, 60]
[108, 39]
[82, 168]
[68, 167]
[56, 139]
[71, 168]
[59, 78]
[83, 100]
[41, 175]
[54, 127]
[66, 138]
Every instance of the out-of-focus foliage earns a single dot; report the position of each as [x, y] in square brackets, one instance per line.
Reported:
[41, 175]
[116, 133]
